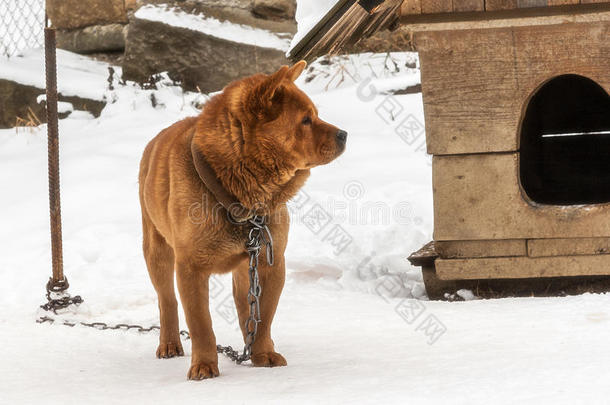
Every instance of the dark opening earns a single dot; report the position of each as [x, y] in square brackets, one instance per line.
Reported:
[565, 143]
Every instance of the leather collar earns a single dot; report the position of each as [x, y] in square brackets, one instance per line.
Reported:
[238, 213]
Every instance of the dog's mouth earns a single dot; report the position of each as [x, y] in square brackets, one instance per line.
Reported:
[331, 152]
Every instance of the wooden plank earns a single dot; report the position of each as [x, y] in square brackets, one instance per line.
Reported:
[478, 197]
[345, 24]
[531, 3]
[562, 2]
[495, 5]
[410, 7]
[436, 6]
[542, 53]
[481, 248]
[476, 83]
[468, 5]
[575, 13]
[469, 90]
[568, 247]
[424, 256]
[310, 40]
[522, 267]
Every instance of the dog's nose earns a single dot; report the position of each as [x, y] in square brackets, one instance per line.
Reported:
[341, 136]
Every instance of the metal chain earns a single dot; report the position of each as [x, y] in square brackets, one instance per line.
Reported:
[57, 298]
[258, 236]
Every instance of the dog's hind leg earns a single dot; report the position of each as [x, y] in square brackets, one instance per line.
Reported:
[160, 262]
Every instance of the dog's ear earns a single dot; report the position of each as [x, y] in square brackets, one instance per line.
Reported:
[295, 71]
[260, 99]
[266, 90]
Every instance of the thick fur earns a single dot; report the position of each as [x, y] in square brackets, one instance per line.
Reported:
[261, 136]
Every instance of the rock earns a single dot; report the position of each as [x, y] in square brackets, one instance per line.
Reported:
[236, 11]
[197, 60]
[275, 9]
[131, 4]
[18, 99]
[69, 14]
[97, 38]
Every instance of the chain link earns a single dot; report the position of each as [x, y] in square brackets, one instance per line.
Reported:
[258, 236]
[21, 25]
[57, 298]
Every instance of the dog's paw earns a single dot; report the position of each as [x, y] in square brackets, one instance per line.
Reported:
[269, 359]
[168, 350]
[201, 371]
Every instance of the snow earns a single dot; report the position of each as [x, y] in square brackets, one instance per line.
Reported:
[353, 321]
[466, 295]
[308, 14]
[211, 26]
[77, 75]
[62, 106]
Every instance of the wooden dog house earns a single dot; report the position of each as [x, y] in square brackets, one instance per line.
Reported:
[517, 114]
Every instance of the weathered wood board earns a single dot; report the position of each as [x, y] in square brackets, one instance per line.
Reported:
[468, 5]
[568, 247]
[522, 267]
[479, 197]
[437, 6]
[449, 6]
[476, 83]
[481, 248]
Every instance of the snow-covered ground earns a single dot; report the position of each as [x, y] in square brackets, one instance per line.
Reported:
[353, 321]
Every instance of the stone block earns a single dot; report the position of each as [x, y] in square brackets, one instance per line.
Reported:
[69, 14]
[97, 38]
[197, 60]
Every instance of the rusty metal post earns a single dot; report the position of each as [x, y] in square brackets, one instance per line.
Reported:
[53, 151]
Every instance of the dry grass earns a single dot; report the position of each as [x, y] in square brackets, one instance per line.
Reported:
[29, 123]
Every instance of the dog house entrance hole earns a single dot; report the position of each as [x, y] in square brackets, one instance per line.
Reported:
[565, 143]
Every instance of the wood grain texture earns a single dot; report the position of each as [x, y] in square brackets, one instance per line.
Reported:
[478, 197]
[476, 83]
[436, 6]
[495, 5]
[531, 3]
[568, 247]
[522, 267]
[410, 7]
[480, 248]
[468, 5]
[344, 25]
[562, 2]
[469, 89]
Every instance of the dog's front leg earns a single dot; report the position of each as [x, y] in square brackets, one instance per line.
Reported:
[272, 282]
[193, 285]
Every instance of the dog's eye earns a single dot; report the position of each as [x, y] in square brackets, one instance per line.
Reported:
[306, 121]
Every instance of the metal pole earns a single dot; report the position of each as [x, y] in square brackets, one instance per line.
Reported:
[53, 150]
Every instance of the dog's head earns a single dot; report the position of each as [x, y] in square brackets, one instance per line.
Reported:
[280, 124]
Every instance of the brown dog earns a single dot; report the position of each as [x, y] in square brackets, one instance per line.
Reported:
[260, 137]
